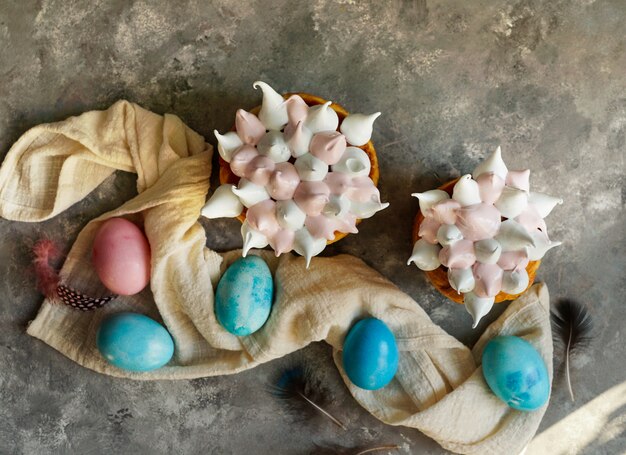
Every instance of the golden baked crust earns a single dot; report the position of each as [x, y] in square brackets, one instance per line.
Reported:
[439, 276]
[227, 176]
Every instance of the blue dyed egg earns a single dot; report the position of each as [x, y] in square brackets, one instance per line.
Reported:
[244, 296]
[370, 354]
[516, 373]
[134, 342]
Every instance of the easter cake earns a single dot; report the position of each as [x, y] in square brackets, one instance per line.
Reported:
[480, 238]
[299, 172]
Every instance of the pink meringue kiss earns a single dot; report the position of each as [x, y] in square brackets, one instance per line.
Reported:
[445, 211]
[282, 241]
[262, 217]
[519, 179]
[283, 181]
[488, 279]
[249, 127]
[338, 182]
[490, 187]
[428, 230]
[328, 146]
[362, 189]
[241, 159]
[297, 110]
[459, 255]
[259, 170]
[297, 139]
[322, 226]
[312, 197]
[513, 260]
[478, 222]
[531, 219]
[347, 224]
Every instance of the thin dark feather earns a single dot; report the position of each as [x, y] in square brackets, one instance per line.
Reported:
[296, 387]
[572, 328]
[334, 449]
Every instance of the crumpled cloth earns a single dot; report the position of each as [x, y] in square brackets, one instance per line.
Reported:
[439, 387]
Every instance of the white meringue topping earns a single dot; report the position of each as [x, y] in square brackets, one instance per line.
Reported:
[310, 168]
[299, 140]
[358, 128]
[273, 110]
[512, 202]
[251, 238]
[488, 251]
[466, 191]
[354, 162]
[321, 118]
[338, 206]
[515, 281]
[250, 193]
[461, 280]
[494, 164]
[227, 144]
[542, 244]
[477, 307]
[425, 255]
[367, 209]
[223, 203]
[429, 198]
[308, 246]
[513, 236]
[447, 234]
[273, 146]
[289, 215]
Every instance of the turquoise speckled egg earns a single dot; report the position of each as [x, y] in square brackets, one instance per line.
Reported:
[134, 342]
[244, 296]
[516, 373]
[370, 354]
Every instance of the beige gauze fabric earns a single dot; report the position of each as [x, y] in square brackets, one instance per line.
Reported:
[439, 387]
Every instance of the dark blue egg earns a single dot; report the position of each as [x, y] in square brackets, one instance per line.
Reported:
[134, 342]
[244, 296]
[370, 354]
[516, 373]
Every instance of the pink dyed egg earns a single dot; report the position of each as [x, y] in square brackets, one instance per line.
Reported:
[121, 257]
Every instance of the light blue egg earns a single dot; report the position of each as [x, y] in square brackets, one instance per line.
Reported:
[134, 342]
[516, 373]
[244, 296]
[370, 354]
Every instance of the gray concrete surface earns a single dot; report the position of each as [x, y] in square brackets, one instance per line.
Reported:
[453, 78]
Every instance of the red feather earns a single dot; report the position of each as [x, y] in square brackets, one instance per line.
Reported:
[44, 252]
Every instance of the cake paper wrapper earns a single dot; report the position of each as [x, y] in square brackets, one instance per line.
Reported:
[439, 387]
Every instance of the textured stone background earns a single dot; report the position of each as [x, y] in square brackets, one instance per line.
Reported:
[453, 78]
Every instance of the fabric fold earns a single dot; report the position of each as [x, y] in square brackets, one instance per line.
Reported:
[439, 388]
